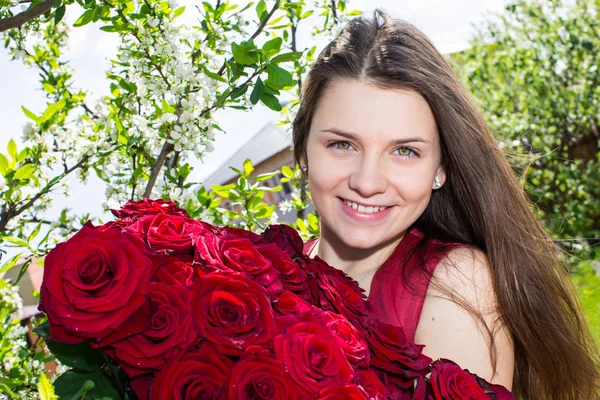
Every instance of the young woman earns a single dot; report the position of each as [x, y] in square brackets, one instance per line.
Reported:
[419, 205]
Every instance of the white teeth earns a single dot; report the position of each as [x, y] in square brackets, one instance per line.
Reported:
[363, 209]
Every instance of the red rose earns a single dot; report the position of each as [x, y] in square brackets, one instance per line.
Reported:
[287, 303]
[200, 374]
[258, 375]
[337, 292]
[494, 392]
[449, 381]
[157, 333]
[120, 224]
[241, 255]
[229, 232]
[141, 386]
[175, 270]
[393, 353]
[349, 338]
[139, 227]
[173, 234]
[208, 251]
[292, 277]
[286, 238]
[232, 311]
[290, 309]
[312, 357]
[371, 384]
[147, 206]
[347, 392]
[93, 283]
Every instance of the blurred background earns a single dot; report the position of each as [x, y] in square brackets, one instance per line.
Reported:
[107, 101]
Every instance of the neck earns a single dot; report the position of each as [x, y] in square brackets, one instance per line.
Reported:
[353, 261]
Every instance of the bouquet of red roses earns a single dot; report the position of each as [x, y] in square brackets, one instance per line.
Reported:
[168, 307]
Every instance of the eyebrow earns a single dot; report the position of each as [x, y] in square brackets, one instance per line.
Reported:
[354, 136]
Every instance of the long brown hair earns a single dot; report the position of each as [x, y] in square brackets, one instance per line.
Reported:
[481, 203]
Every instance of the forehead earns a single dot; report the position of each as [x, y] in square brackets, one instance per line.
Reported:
[374, 112]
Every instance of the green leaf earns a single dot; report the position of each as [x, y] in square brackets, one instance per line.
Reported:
[270, 101]
[3, 164]
[313, 222]
[166, 107]
[301, 225]
[248, 167]
[261, 10]
[43, 330]
[272, 46]
[214, 203]
[12, 149]
[100, 13]
[238, 92]
[88, 386]
[51, 110]
[264, 177]
[287, 172]
[270, 189]
[28, 113]
[223, 191]
[279, 78]
[257, 92]
[212, 75]
[85, 18]
[81, 357]
[110, 28]
[35, 232]
[59, 14]
[45, 388]
[25, 172]
[17, 241]
[245, 52]
[10, 263]
[49, 88]
[23, 155]
[23, 270]
[179, 11]
[285, 57]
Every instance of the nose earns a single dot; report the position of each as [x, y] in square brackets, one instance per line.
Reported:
[368, 177]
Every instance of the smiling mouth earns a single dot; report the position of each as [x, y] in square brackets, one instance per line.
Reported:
[364, 209]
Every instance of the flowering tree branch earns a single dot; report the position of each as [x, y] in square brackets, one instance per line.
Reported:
[27, 15]
[14, 210]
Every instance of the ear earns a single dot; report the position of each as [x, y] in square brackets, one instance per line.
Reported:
[441, 174]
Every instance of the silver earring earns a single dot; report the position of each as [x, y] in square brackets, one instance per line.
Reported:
[304, 168]
[437, 183]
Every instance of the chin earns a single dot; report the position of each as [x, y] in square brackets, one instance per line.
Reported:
[360, 242]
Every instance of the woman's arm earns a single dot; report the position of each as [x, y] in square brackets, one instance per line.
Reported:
[449, 331]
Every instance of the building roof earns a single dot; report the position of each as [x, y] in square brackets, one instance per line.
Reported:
[267, 142]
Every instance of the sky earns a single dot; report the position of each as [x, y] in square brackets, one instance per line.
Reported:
[449, 25]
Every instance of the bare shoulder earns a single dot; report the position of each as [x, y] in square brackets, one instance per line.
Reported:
[459, 313]
[465, 270]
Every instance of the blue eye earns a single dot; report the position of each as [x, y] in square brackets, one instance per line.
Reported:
[406, 152]
[341, 145]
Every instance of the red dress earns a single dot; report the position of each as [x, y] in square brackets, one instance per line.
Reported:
[399, 286]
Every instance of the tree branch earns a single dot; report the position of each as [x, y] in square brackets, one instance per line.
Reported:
[14, 210]
[17, 20]
[255, 34]
[164, 152]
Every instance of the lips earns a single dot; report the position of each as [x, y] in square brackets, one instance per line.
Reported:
[363, 213]
[363, 208]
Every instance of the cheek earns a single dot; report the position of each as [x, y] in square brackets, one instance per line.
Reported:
[414, 186]
[325, 175]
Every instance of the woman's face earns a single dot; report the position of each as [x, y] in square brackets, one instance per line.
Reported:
[373, 155]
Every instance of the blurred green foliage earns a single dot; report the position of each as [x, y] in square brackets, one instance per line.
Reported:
[535, 71]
